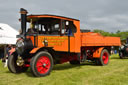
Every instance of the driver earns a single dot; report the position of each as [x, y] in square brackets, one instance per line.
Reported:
[68, 29]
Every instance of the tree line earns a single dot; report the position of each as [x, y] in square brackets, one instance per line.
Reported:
[123, 35]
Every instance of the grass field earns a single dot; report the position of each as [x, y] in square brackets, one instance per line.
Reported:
[115, 73]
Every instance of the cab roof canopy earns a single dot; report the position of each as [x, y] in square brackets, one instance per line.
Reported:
[49, 16]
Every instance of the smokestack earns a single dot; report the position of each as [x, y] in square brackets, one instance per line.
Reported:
[23, 13]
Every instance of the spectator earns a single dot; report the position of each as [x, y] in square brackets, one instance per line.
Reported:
[1, 53]
[112, 50]
[11, 50]
[8, 48]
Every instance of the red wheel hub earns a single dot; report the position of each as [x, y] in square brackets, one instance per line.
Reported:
[43, 64]
[105, 57]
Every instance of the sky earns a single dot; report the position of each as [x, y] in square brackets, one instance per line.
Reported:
[107, 15]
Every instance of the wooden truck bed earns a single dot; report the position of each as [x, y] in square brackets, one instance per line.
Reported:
[95, 39]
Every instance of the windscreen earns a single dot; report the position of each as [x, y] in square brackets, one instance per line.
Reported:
[45, 26]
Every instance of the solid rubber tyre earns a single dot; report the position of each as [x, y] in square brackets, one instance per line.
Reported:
[41, 64]
[12, 66]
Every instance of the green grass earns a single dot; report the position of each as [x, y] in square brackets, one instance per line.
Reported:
[115, 73]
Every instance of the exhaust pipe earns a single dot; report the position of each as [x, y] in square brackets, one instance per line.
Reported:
[23, 13]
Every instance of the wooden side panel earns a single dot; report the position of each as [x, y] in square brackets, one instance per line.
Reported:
[112, 41]
[95, 39]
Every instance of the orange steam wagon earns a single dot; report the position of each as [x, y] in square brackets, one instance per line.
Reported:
[52, 39]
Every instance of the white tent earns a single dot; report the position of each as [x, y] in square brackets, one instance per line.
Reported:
[7, 34]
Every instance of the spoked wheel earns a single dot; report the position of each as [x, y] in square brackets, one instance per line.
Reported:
[104, 58]
[41, 64]
[12, 64]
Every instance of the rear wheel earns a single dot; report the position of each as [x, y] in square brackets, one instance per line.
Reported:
[12, 64]
[41, 64]
[104, 58]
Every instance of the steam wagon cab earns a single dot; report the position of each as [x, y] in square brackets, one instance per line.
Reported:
[51, 39]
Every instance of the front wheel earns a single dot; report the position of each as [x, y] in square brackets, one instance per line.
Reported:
[12, 64]
[41, 64]
[104, 58]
